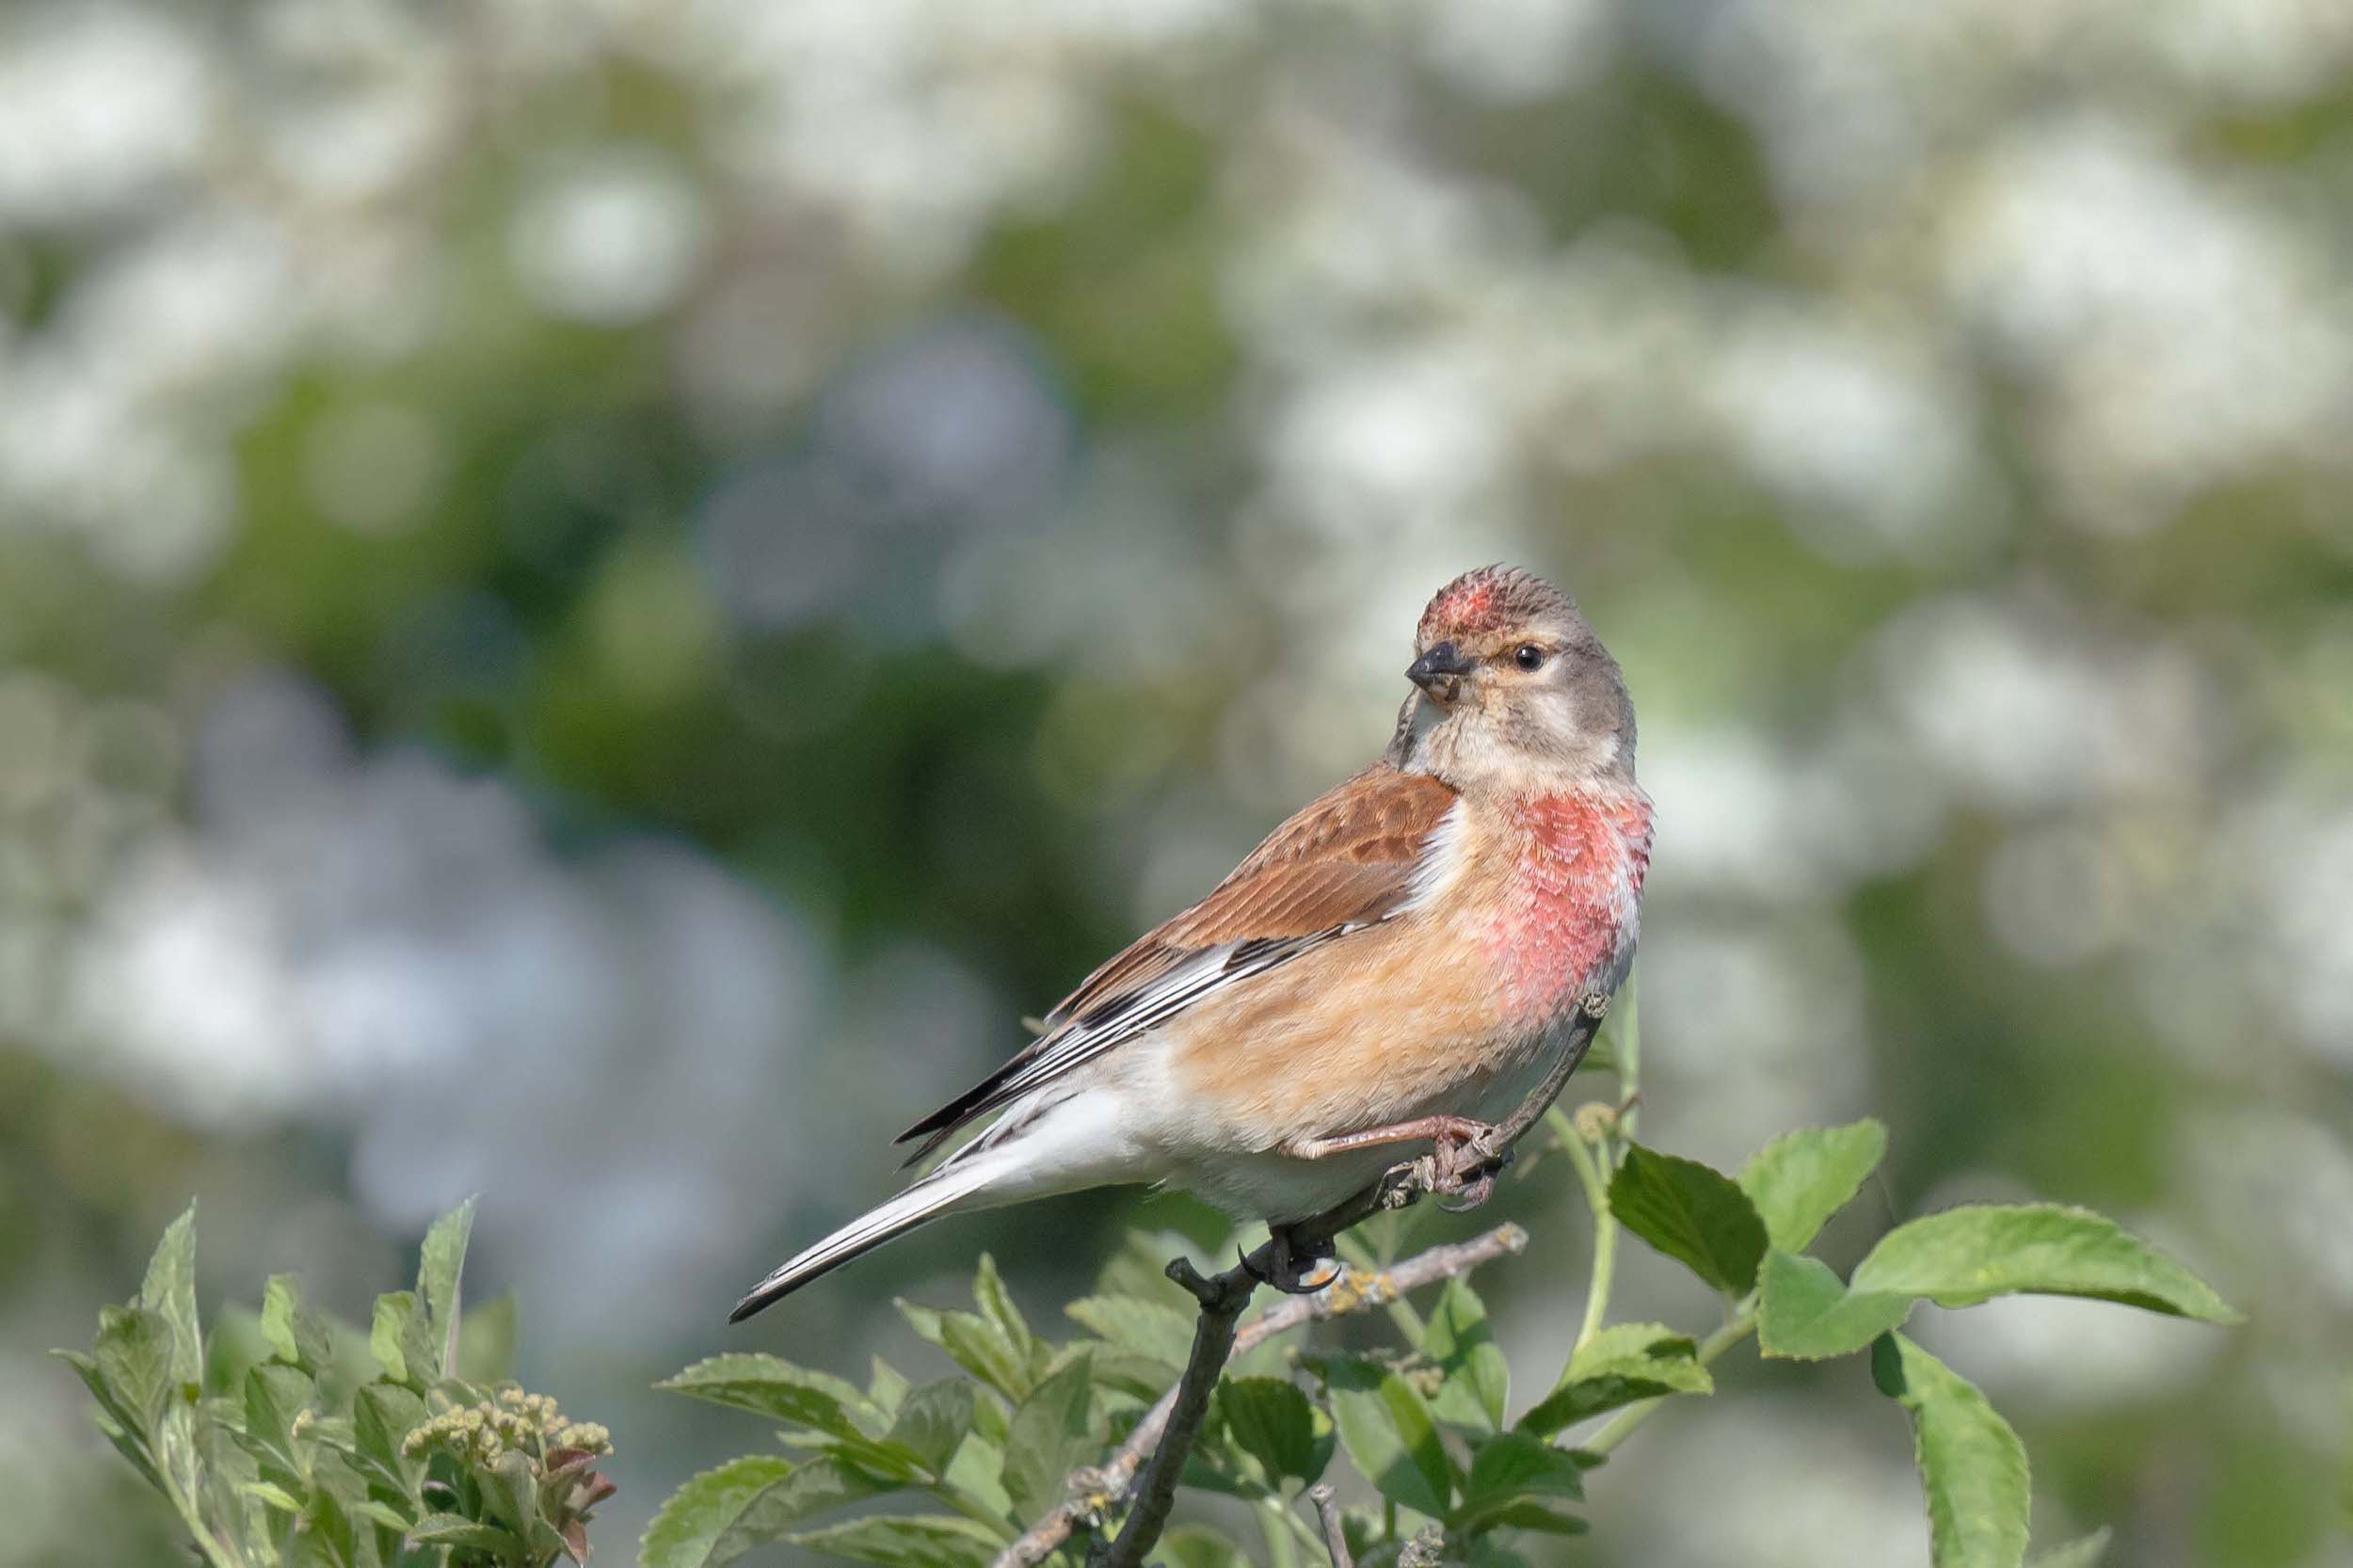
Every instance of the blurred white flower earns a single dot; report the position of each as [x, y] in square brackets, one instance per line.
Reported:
[609, 236]
[100, 103]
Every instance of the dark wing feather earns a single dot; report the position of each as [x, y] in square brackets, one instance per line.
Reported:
[1346, 861]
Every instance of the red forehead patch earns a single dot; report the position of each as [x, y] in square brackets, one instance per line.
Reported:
[1487, 600]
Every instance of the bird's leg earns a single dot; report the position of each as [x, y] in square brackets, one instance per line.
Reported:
[1462, 1167]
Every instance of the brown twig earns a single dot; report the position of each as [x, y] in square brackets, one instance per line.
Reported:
[1095, 1492]
[1335, 1532]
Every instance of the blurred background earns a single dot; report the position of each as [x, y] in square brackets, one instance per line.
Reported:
[596, 598]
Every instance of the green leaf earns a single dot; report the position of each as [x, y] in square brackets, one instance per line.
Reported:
[1515, 1468]
[908, 1541]
[133, 1358]
[932, 1421]
[997, 1305]
[1478, 1381]
[1800, 1179]
[293, 1334]
[439, 1265]
[1524, 1514]
[127, 1429]
[454, 1530]
[886, 1389]
[1147, 1328]
[1695, 1215]
[1621, 1365]
[170, 1292]
[977, 1345]
[2085, 1553]
[274, 1396]
[1272, 1422]
[978, 1471]
[382, 1414]
[1389, 1435]
[1805, 1314]
[1054, 1432]
[1969, 1255]
[768, 1385]
[695, 1516]
[817, 1487]
[511, 1492]
[402, 1340]
[1972, 1468]
[272, 1497]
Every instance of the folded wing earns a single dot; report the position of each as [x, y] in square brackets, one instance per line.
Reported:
[1349, 859]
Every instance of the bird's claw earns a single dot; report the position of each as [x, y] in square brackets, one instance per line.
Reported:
[1289, 1274]
[1465, 1170]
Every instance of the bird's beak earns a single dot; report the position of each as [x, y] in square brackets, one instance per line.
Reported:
[1440, 672]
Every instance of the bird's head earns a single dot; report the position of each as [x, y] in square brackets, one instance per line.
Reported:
[1512, 691]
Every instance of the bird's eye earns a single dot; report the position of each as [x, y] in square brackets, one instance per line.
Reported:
[1528, 656]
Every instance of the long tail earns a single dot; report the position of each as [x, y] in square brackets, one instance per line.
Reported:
[947, 1188]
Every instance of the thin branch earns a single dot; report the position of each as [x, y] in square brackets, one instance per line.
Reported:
[1221, 1298]
[1095, 1492]
[1328, 1509]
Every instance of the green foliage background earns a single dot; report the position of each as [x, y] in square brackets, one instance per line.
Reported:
[594, 600]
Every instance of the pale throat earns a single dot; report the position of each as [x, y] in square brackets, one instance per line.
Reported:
[1570, 905]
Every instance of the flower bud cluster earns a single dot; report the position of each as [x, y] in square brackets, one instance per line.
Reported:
[510, 1421]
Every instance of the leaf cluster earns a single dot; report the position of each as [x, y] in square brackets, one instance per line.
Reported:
[1746, 1237]
[287, 1437]
[983, 1454]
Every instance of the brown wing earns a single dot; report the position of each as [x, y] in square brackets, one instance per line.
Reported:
[1346, 861]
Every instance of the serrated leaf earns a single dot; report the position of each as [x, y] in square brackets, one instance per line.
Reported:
[975, 1344]
[1973, 1254]
[170, 1292]
[1972, 1468]
[134, 1359]
[1694, 1214]
[511, 1493]
[274, 1396]
[1800, 1179]
[1623, 1364]
[997, 1307]
[1510, 1469]
[931, 1422]
[455, 1529]
[908, 1541]
[769, 1385]
[402, 1340]
[1477, 1379]
[978, 1471]
[1389, 1435]
[1272, 1422]
[441, 1266]
[817, 1487]
[1147, 1328]
[382, 1414]
[1052, 1432]
[1805, 1313]
[694, 1517]
[294, 1334]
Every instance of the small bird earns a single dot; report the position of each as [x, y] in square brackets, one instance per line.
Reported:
[1401, 962]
